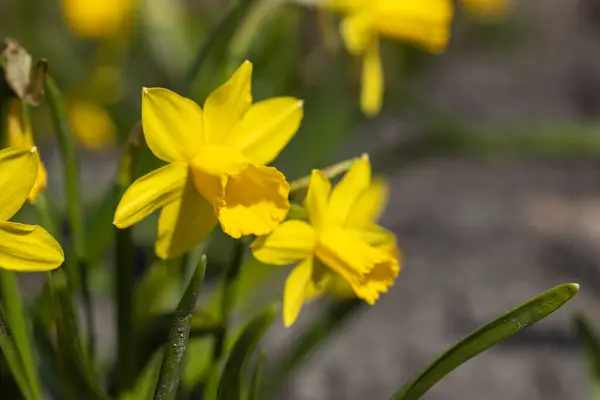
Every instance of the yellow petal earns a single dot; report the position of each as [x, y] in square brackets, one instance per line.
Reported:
[373, 234]
[28, 248]
[370, 204]
[424, 22]
[347, 192]
[184, 223]
[40, 183]
[295, 289]
[266, 128]
[372, 81]
[317, 198]
[151, 192]
[290, 242]
[226, 106]
[98, 18]
[357, 31]
[249, 199]
[368, 270]
[17, 134]
[18, 171]
[172, 124]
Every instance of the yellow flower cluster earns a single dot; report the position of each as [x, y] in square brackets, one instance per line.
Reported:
[216, 173]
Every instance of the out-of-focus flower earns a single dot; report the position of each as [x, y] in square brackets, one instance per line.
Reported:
[487, 8]
[98, 18]
[216, 169]
[341, 240]
[423, 22]
[92, 125]
[18, 134]
[22, 247]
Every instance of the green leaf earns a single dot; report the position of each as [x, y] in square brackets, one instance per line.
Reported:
[12, 356]
[74, 368]
[591, 347]
[256, 381]
[231, 382]
[172, 364]
[487, 336]
[145, 383]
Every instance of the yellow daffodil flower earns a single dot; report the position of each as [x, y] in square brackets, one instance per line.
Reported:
[98, 18]
[92, 125]
[22, 247]
[340, 238]
[19, 134]
[487, 8]
[423, 22]
[216, 171]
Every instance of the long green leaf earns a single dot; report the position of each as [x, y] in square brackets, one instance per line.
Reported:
[590, 344]
[487, 336]
[256, 384]
[15, 313]
[231, 383]
[145, 383]
[74, 368]
[13, 358]
[172, 364]
[78, 268]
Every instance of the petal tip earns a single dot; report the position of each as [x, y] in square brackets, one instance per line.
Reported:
[33, 150]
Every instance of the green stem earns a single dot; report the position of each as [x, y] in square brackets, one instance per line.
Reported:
[228, 299]
[15, 315]
[124, 274]
[172, 364]
[10, 352]
[74, 206]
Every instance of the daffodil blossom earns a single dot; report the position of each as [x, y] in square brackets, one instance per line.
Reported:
[18, 134]
[216, 169]
[423, 22]
[22, 247]
[340, 239]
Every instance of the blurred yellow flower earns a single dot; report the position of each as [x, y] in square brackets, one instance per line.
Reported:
[216, 169]
[487, 8]
[341, 239]
[22, 247]
[98, 18]
[423, 22]
[18, 134]
[92, 125]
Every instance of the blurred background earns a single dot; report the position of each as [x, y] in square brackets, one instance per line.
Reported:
[492, 151]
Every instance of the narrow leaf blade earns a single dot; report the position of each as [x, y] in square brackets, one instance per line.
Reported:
[487, 336]
[12, 356]
[231, 382]
[172, 363]
[590, 344]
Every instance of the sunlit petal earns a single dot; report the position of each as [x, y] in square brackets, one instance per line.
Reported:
[424, 22]
[151, 192]
[370, 204]
[18, 171]
[317, 198]
[28, 248]
[372, 80]
[40, 184]
[295, 291]
[290, 242]
[373, 234]
[172, 124]
[347, 192]
[184, 223]
[266, 128]
[226, 106]
[248, 198]
[368, 270]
